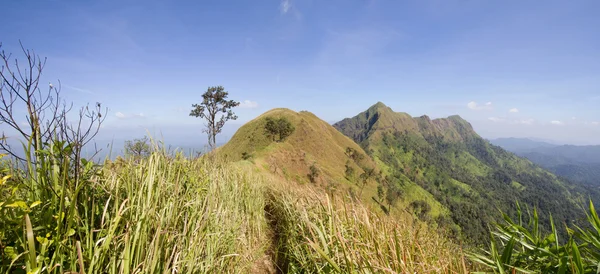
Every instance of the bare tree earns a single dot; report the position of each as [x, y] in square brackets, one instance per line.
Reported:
[214, 101]
[37, 114]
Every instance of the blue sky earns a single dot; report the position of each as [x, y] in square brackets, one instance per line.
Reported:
[148, 61]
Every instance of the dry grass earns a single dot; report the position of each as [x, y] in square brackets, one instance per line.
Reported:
[317, 233]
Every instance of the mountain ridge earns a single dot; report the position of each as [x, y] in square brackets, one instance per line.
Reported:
[468, 175]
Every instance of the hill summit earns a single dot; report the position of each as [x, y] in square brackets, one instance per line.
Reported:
[314, 144]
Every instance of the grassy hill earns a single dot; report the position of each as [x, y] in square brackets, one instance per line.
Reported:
[313, 142]
[462, 171]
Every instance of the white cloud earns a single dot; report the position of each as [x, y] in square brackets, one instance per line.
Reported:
[559, 123]
[512, 122]
[513, 110]
[595, 123]
[474, 106]
[285, 6]
[526, 122]
[121, 115]
[248, 104]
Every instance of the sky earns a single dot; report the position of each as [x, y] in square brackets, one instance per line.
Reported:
[511, 68]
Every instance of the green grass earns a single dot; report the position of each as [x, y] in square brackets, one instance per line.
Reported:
[163, 214]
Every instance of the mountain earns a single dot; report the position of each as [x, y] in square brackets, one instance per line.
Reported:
[467, 175]
[579, 164]
[517, 145]
[313, 142]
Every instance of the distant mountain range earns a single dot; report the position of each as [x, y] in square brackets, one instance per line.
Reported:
[576, 163]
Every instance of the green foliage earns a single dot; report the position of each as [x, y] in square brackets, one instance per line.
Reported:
[368, 175]
[314, 173]
[349, 171]
[214, 101]
[354, 155]
[516, 246]
[138, 148]
[420, 208]
[281, 128]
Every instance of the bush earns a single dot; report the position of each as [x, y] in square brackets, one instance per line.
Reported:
[314, 173]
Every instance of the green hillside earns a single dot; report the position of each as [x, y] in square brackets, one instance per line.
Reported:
[462, 171]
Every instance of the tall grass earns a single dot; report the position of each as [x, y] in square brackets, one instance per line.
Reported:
[520, 247]
[172, 214]
[315, 233]
[165, 214]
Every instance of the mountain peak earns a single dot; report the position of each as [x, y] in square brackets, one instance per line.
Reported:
[378, 107]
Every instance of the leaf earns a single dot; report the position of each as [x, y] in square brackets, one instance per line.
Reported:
[508, 249]
[20, 204]
[70, 232]
[577, 258]
[34, 204]
[11, 252]
[35, 270]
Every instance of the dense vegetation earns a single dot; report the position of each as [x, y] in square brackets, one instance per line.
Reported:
[463, 172]
[522, 246]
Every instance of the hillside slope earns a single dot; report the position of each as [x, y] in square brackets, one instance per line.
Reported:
[313, 142]
[461, 170]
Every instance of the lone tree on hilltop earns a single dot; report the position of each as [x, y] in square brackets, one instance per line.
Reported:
[281, 127]
[214, 101]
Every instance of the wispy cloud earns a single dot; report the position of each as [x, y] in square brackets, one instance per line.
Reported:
[285, 6]
[475, 106]
[248, 104]
[556, 122]
[122, 115]
[496, 119]
[87, 91]
[595, 123]
[513, 110]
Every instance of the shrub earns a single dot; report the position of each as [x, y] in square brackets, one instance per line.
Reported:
[314, 173]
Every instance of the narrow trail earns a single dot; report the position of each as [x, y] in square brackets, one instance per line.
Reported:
[272, 262]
